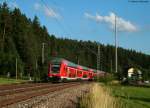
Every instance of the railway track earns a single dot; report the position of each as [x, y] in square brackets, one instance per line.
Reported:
[23, 93]
[16, 86]
[23, 89]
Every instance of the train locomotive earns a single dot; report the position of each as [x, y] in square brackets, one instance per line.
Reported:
[63, 70]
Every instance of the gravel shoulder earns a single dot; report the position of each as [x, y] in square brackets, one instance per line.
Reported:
[66, 98]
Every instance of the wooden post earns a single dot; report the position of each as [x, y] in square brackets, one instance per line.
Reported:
[16, 68]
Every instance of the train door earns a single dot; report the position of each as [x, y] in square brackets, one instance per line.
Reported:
[79, 73]
[63, 70]
[85, 74]
[71, 73]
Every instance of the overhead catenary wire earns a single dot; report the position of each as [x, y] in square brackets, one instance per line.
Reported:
[56, 19]
[65, 31]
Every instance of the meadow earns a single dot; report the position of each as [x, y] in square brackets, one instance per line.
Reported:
[132, 97]
[10, 81]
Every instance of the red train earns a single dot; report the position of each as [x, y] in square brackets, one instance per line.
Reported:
[63, 70]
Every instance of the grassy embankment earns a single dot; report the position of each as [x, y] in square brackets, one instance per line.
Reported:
[10, 81]
[117, 96]
[99, 97]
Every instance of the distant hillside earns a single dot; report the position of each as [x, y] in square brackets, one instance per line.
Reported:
[22, 38]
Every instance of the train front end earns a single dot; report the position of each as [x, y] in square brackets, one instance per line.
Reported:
[54, 72]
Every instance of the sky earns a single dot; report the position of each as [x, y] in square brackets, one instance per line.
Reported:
[93, 20]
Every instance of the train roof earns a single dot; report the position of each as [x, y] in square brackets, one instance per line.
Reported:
[71, 64]
[57, 60]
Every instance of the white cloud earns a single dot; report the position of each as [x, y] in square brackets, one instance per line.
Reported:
[51, 13]
[37, 6]
[48, 11]
[122, 24]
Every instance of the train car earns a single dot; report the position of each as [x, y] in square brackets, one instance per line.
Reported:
[62, 70]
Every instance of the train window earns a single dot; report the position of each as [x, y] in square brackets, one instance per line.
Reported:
[90, 74]
[70, 72]
[55, 68]
[84, 75]
[79, 72]
[65, 68]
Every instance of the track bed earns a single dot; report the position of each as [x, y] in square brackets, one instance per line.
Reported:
[11, 94]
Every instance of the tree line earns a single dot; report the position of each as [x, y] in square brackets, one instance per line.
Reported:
[22, 38]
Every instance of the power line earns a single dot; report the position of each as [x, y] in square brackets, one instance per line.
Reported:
[64, 30]
[62, 27]
[57, 21]
[70, 30]
[89, 49]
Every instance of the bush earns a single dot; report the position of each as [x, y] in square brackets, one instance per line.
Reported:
[105, 79]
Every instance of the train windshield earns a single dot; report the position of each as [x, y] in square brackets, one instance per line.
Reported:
[55, 68]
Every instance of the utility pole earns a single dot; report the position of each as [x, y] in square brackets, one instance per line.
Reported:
[36, 64]
[16, 68]
[98, 58]
[78, 61]
[43, 44]
[4, 34]
[111, 66]
[3, 39]
[116, 55]
[77, 57]
[36, 70]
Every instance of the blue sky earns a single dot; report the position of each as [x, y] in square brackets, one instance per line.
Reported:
[93, 20]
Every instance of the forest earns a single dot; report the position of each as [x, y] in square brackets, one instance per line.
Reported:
[21, 39]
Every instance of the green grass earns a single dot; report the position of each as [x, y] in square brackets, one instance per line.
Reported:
[132, 97]
[10, 81]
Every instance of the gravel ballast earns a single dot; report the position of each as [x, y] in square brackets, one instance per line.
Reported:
[66, 98]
